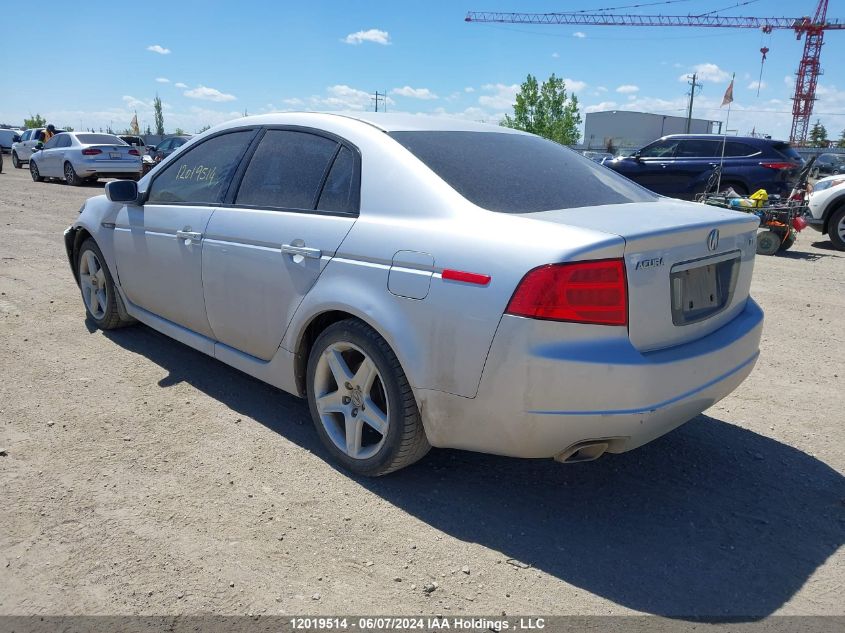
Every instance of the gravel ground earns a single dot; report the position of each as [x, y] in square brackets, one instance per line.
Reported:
[142, 477]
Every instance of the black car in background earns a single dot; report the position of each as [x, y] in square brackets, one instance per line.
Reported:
[829, 165]
[680, 165]
[166, 147]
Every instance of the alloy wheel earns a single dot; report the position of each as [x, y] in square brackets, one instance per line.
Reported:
[92, 280]
[351, 400]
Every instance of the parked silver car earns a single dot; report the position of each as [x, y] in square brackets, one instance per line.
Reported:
[78, 157]
[430, 282]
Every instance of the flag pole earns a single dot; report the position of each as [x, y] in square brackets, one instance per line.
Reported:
[729, 97]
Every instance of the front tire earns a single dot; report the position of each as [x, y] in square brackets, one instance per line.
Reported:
[70, 176]
[768, 243]
[33, 171]
[836, 229]
[361, 402]
[16, 163]
[98, 292]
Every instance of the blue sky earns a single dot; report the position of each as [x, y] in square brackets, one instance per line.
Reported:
[209, 61]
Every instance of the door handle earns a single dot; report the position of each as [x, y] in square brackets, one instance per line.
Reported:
[188, 236]
[305, 251]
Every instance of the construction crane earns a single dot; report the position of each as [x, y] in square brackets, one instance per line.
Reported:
[812, 29]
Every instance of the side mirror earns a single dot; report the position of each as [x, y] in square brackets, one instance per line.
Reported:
[39, 145]
[16, 138]
[151, 148]
[122, 191]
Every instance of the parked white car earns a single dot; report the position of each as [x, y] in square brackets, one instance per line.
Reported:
[425, 282]
[827, 209]
[78, 157]
[8, 138]
[22, 149]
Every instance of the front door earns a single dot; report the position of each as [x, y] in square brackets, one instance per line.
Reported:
[265, 250]
[158, 246]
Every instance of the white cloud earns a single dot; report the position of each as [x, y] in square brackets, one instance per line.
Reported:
[574, 85]
[343, 97]
[469, 89]
[599, 107]
[414, 93]
[707, 72]
[600, 89]
[555, 55]
[627, 89]
[155, 48]
[579, 34]
[502, 97]
[371, 35]
[295, 102]
[208, 94]
[162, 80]
[754, 85]
[789, 80]
[179, 84]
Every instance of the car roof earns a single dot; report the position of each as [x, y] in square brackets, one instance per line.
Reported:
[385, 121]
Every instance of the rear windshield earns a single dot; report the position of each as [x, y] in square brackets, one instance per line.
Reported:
[787, 150]
[99, 139]
[517, 173]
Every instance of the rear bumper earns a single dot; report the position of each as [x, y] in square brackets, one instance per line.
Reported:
[549, 386]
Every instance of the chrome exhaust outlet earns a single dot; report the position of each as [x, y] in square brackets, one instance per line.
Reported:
[585, 451]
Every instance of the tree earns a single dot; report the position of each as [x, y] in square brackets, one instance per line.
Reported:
[546, 110]
[818, 135]
[148, 131]
[203, 129]
[34, 121]
[159, 116]
[67, 128]
[841, 142]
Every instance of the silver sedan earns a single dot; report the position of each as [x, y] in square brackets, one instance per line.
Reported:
[430, 282]
[78, 157]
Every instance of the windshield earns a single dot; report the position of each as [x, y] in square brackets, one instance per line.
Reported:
[99, 139]
[519, 173]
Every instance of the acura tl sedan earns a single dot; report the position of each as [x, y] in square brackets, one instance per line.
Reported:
[430, 282]
[78, 157]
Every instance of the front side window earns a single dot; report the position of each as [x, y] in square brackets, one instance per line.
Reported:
[519, 173]
[660, 149]
[203, 173]
[26, 135]
[286, 170]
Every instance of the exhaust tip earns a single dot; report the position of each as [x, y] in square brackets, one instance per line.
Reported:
[585, 451]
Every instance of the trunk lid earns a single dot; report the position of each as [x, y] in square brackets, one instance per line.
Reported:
[684, 279]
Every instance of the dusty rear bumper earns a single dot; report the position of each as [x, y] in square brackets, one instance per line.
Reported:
[540, 396]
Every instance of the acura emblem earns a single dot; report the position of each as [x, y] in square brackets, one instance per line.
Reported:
[713, 240]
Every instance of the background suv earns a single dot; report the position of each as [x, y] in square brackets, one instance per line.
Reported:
[22, 149]
[166, 147]
[679, 165]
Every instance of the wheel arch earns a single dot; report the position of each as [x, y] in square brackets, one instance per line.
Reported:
[73, 241]
[833, 206]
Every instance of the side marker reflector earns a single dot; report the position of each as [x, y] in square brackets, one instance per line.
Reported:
[469, 278]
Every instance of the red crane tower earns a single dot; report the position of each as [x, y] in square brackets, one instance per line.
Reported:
[812, 29]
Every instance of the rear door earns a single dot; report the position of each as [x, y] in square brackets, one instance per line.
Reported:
[267, 246]
[158, 246]
[695, 160]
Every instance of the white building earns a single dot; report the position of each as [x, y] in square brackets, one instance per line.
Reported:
[630, 130]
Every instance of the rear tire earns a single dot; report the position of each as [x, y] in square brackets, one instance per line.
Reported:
[768, 243]
[70, 176]
[33, 171]
[97, 286]
[15, 161]
[790, 240]
[836, 229]
[367, 416]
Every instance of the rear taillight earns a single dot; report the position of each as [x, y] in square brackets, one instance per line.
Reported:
[91, 151]
[583, 292]
[133, 152]
[779, 165]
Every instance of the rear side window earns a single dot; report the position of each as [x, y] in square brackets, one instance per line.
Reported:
[286, 170]
[100, 139]
[519, 173]
[699, 148]
[203, 173]
[64, 141]
[736, 149]
[338, 192]
[787, 150]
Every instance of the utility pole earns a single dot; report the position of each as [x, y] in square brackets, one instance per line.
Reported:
[381, 96]
[693, 85]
